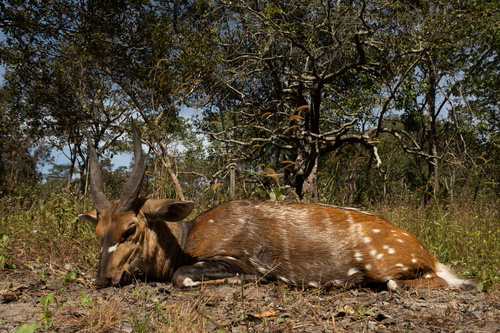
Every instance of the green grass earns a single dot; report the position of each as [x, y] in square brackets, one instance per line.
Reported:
[47, 230]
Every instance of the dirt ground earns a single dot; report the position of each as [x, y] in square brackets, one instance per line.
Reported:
[75, 305]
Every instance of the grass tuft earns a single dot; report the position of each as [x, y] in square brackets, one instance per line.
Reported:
[105, 317]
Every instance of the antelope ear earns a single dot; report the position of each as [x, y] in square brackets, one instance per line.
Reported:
[90, 217]
[167, 209]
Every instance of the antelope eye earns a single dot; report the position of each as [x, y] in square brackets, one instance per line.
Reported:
[129, 232]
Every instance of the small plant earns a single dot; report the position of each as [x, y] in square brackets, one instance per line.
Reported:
[362, 312]
[71, 275]
[275, 195]
[47, 312]
[27, 328]
[141, 324]
[86, 300]
[3, 250]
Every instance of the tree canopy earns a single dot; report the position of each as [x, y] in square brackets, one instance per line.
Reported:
[314, 100]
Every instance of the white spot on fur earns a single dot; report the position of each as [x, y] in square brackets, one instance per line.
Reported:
[428, 276]
[349, 217]
[376, 231]
[373, 252]
[189, 283]
[393, 230]
[313, 284]
[380, 255]
[400, 265]
[385, 247]
[210, 221]
[112, 249]
[412, 255]
[352, 271]
[400, 240]
[284, 279]
[392, 285]
[358, 256]
[368, 267]
[414, 260]
[391, 251]
[367, 239]
[405, 269]
[421, 247]
[262, 269]
[404, 233]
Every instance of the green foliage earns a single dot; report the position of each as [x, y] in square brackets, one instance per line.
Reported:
[275, 194]
[46, 315]
[71, 275]
[86, 300]
[27, 328]
[362, 312]
[52, 229]
[3, 250]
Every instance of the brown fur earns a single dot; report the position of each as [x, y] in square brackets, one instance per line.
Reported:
[300, 244]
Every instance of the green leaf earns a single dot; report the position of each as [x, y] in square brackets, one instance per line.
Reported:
[27, 328]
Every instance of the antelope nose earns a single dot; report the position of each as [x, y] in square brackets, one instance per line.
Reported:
[102, 281]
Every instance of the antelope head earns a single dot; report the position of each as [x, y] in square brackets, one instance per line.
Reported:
[123, 226]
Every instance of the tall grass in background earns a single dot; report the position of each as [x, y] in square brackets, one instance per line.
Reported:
[46, 230]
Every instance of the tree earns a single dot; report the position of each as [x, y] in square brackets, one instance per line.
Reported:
[301, 79]
[90, 65]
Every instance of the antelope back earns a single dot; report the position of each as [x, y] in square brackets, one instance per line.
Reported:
[309, 244]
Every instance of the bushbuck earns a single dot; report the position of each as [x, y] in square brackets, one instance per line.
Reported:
[298, 244]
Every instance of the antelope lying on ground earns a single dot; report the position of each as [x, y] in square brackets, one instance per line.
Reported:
[299, 244]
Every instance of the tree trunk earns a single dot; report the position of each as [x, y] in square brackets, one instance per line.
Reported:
[71, 170]
[433, 162]
[306, 167]
[232, 185]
